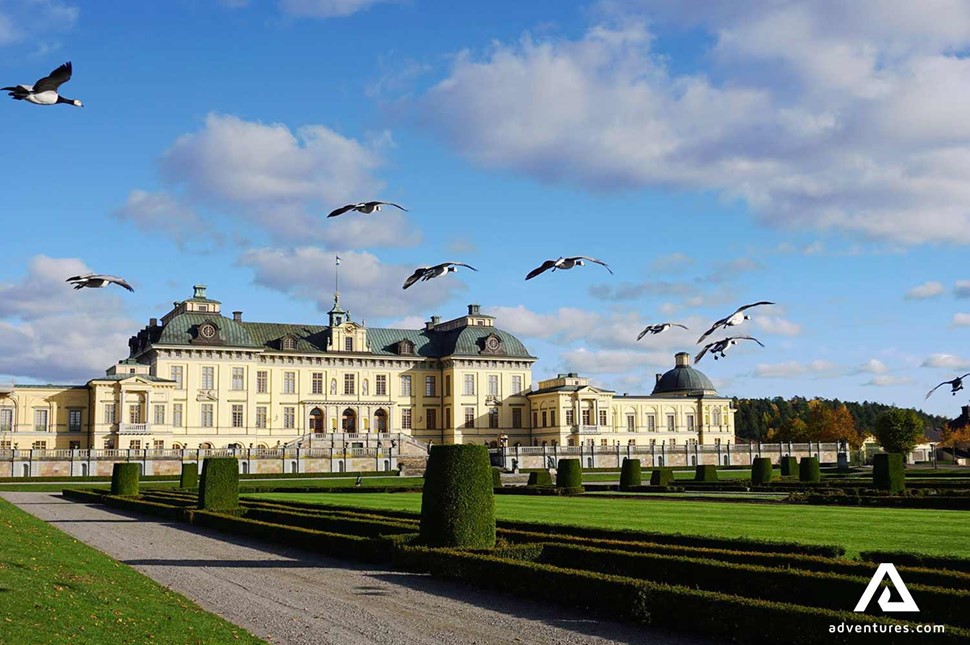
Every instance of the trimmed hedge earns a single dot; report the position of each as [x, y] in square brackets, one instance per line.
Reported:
[950, 563]
[124, 479]
[706, 473]
[662, 476]
[361, 527]
[496, 477]
[761, 471]
[219, 484]
[631, 475]
[887, 472]
[540, 478]
[569, 474]
[540, 490]
[190, 476]
[809, 471]
[458, 501]
[789, 467]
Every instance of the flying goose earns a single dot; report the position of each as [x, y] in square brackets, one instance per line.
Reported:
[97, 280]
[565, 263]
[436, 271]
[364, 207]
[956, 385]
[736, 318]
[721, 346]
[44, 91]
[656, 329]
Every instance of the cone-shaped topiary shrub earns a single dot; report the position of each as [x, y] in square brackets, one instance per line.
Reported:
[761, 470]
[569, 474]
[540, 478]
[887, 472]
[631, 474]
[808, 470]
[789, 466]
[190, 476]
[497, 477]
[219, 485]
[124, 479]
[705, 473]
[662, 476]
[458, 502]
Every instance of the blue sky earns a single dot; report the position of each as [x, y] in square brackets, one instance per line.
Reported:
[809, 153]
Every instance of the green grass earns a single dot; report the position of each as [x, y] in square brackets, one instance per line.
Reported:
[857, 529]
[58, 590]
[41, 487]
[678, 474]
[310, 482]
[366, 482]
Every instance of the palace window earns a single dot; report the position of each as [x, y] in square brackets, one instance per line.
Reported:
[380, 385]
[493, 384]
[177, 415]
[716, 416]
[289, 417]
[134, 413]
[469, 417]
[260, 416]
[570, 417]
[405, 385]
[448, 386]
[6, 420]
[552, 417]
[348, 343]
[430, 386]
[289, 344]
[208, 378]
[431, 416]
[74, 420]
[109, 413]
[516, 384]
[158, 444]
[690, 422]
[39, 445]
[289, 382]
[516, 417]
[587, 416]
[176, 374]
[316, 383]
[262, 382]
[651, 423]
[469, 384]
[159, 415]
[349, 383]
[535, 419]
[405, 418]
[602, 417]
[670, 423]
[631, 423]
[134, 444]
[493, 418]
[238, 378]
[545, 418]
[237, 416]
[207, 415]
[40, 420]
[447, 417]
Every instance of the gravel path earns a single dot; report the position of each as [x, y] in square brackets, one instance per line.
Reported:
[290, 596]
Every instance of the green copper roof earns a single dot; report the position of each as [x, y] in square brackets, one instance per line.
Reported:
[683, 379]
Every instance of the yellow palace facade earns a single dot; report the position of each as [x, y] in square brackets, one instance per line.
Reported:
[197, 378]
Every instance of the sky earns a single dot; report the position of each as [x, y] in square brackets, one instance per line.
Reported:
[814, 154]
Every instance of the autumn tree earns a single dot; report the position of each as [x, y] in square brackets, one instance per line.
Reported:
[898, 430]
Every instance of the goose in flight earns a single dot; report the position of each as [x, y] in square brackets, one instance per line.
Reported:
[956, 385]
[565, 263]
[44, 91]
[97, 280]
[736, 318]
[721, 346]
[656, 329]
[436, 271]
[364, 207]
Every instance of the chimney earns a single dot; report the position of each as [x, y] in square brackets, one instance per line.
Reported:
[237, 316]
[153, 322]
[474, 310]
[682, 359]
[431, 324]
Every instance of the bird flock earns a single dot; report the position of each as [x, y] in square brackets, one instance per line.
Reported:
[45, 91]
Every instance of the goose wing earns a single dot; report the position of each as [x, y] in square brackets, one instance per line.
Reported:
[678, 325]
[753, 304]
[457, 264]
[646, 330]
[935, 389]
[746, 338]
[387, 204]
[419, 273]
[342, 210]
[711, 330]
[700, 355]
[600, 262]
[121, 282]
[54, 80]
[79, 278]
[545, 266]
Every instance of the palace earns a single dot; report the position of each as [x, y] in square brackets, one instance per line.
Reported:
[199, 379]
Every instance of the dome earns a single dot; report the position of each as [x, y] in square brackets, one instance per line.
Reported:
[683, 379]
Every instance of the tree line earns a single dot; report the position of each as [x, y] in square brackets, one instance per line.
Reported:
[800, 419]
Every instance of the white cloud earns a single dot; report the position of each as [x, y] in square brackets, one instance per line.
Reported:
[962, 289]
[36, 21]
[961, 320]
[368, 287]
[825, 115]
[586, 362]
[925, 290]
[873, 366]
[946, 361]
[327, 8]
[777, 325]
[673, 262]
[159, 212]
[795, 368]
[887, 380]
[46, 328]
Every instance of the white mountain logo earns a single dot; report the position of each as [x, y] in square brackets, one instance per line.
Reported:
[906, 604]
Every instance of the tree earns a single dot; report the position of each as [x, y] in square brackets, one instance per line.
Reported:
[898, 430]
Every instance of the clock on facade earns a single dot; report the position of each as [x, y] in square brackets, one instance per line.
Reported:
[492, 343]
[207, 331]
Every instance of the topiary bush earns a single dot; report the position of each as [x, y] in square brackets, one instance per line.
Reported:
[124, 480]
[705, 473]
[540, 478]
[887, 472]
[631, 474]
[569, 474]
[789, 466]
[808, 470]
[219, 485]
[761, 470]
[662, 476]
[190, 476]
[497, 477]
[458, 501]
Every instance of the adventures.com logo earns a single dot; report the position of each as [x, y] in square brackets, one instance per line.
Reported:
[906, 603]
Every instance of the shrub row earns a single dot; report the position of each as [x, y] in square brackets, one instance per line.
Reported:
[951, 563]
[248, 490]
[942, 502]
[674, 607]
[344, 525]
[539, 490]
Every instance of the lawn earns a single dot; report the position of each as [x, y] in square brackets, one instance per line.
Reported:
[309, 482]
[58, 590]
[857, 529]
[678, 474]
